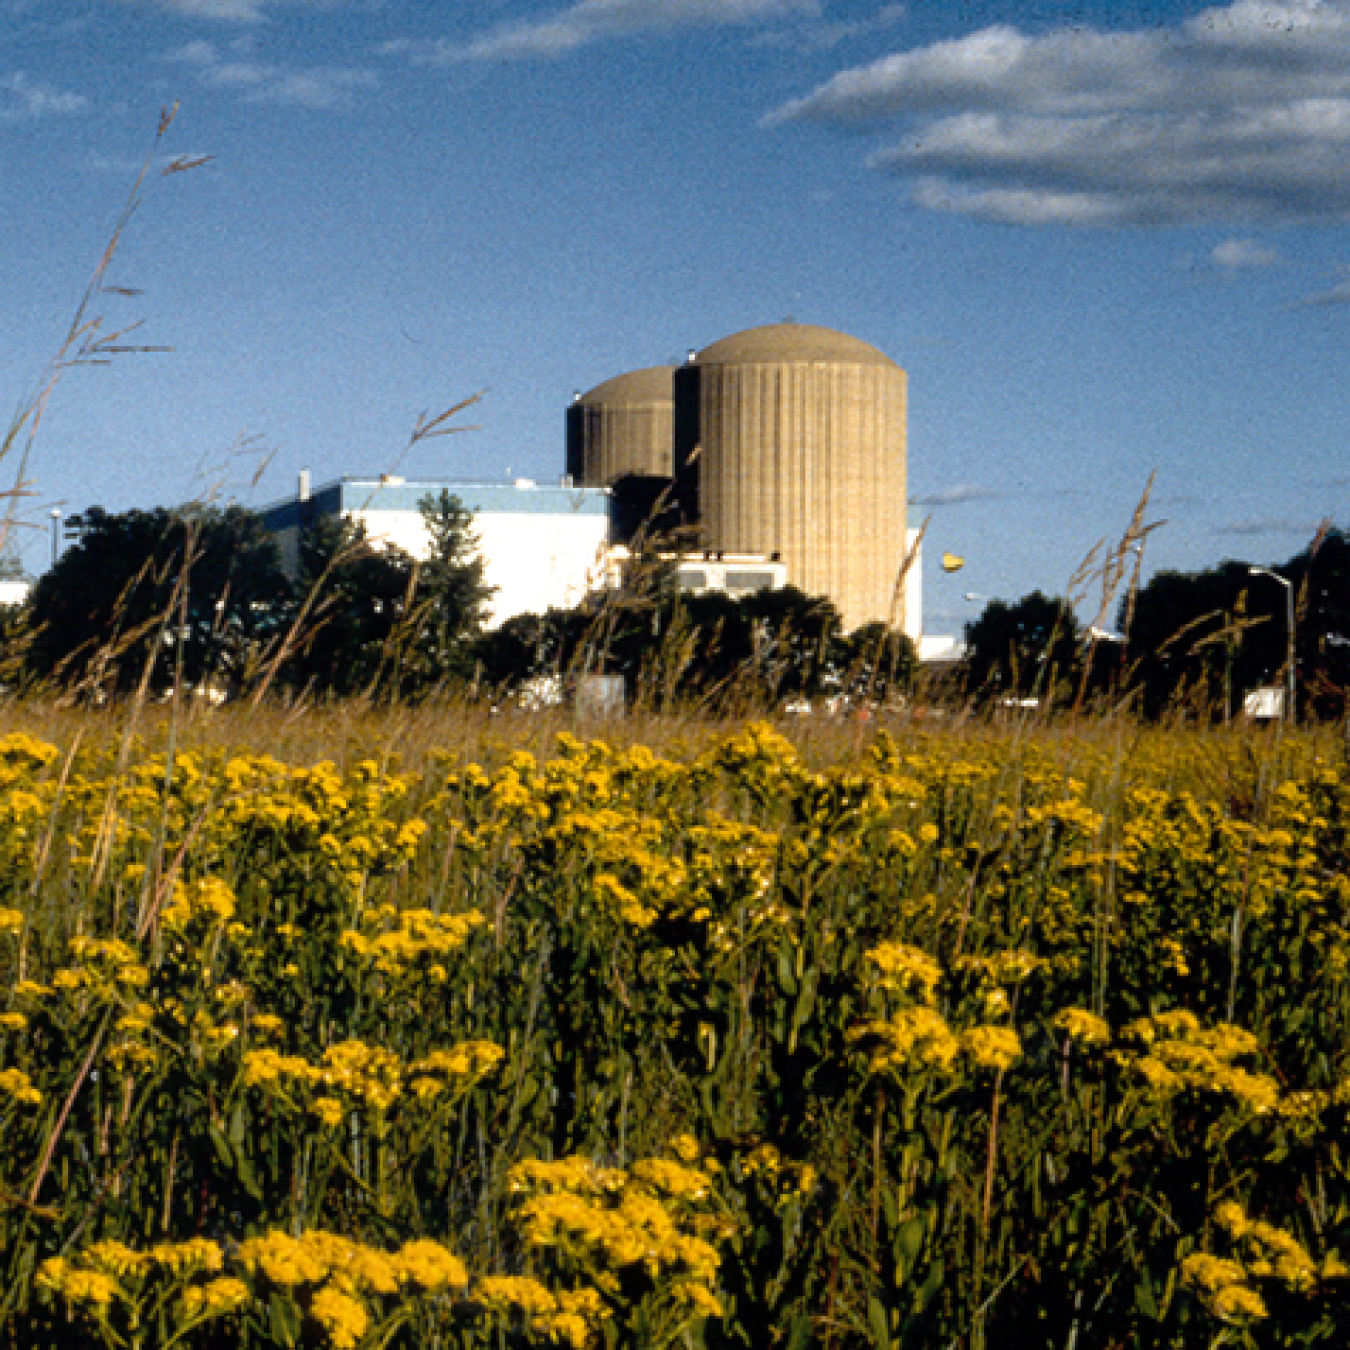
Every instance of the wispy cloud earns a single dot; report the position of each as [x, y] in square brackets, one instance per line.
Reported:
[1239, 113]
[1339, 294]
[232, 11]
[22, 98]
[816, 34]
[957, 496]
[1238, 254]
[236, 11]
[592, 21]
[1271, 525]
[261, 82]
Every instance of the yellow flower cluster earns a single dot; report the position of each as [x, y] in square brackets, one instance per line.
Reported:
[1171, 1053]
[368, 1075]
[318, 1257]
[1263, 1254]
[397, 941]
[793, 1180]
[208, 903]
[604, 1218]
[920, 1038]
[569, 1316]
[18, 1086]
[110, 1273]
[104, 968]
[1085, 1027]
[1222, 1287]
[335, 1278]
[905, 970]
[1268, 1252]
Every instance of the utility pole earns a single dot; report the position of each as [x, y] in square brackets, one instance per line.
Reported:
[1291, 675]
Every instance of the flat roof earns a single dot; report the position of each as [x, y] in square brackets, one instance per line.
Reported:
[344, 496]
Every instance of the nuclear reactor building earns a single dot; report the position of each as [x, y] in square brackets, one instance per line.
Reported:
[786, 442]
[623, 427]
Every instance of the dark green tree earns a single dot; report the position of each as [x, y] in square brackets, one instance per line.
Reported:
[351, 630]
[452, 594]
[1200, 641]
[712, 649]
[878, 662]
[187, 596]
[1322, 575]
[523, 648]
[1028, 649]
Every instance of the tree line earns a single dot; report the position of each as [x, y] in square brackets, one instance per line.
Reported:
[1185, 642]
[197, 598]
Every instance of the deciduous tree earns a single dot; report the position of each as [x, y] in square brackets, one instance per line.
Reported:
[186, 596]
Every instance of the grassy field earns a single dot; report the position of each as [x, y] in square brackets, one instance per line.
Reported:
[427, 1027]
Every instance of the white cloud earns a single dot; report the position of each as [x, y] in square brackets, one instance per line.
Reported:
[1240, 113]
[1243, 253]
[590, 21]
[259, 82]
[22, 98]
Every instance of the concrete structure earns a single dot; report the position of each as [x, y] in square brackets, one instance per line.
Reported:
[544, 546]
[622, 427]
[790, 442]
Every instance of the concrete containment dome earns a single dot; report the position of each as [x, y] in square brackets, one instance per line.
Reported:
[789, 342]
[623, 426]
[791, 439]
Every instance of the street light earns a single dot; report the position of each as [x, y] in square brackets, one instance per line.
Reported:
[56, 533]
[1291, 677]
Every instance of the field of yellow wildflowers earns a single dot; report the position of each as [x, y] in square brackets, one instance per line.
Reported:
[1004, 1038]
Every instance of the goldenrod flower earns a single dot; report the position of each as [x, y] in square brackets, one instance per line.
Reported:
[342, 1317]
[17, 1084]
[430, 1266]
[1083, 1026]
[991, 1047]
[905, 969]
[215, 1298]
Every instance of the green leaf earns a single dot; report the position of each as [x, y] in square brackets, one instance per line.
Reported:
[878, 1324]
[908, 1245]
[929, 1287]
[284, 1318]
[1144, 1298]
[222, 1146]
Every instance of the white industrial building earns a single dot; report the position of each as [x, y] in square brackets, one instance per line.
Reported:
[543, 546]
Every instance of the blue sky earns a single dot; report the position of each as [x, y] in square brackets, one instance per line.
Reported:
[1103, 239]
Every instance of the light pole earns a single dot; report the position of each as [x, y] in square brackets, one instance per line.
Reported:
[56, 533]
[1291, 677]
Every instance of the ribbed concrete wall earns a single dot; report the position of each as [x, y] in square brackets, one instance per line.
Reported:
[792, 440]
[623, 426]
